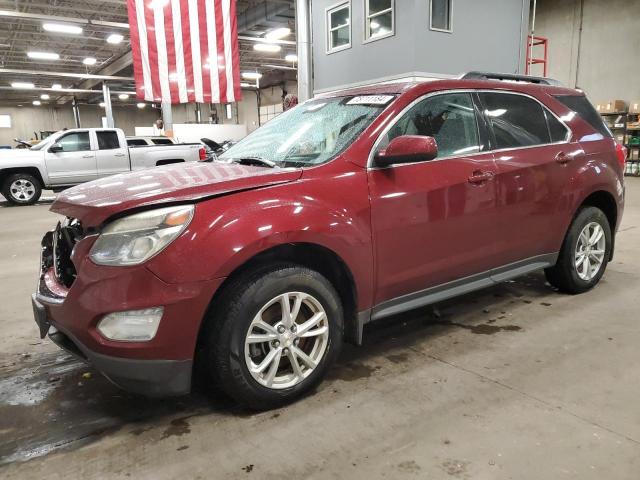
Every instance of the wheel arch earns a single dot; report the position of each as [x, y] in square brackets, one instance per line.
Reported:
[606, 202]
[314, 256]
[5, 172]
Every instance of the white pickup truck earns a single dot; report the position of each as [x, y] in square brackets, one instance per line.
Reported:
[70, 157]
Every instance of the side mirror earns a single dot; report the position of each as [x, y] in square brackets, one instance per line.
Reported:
[55, 148]
[407, 149]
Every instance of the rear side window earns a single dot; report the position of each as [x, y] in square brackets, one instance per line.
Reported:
[582, 106]
[136, 142]
[108, 140]
[517, 121]
[162, 141]
[557, 130]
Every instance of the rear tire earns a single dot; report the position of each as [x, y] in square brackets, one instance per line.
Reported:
[585, 253]
[22, 189]
[257, 353]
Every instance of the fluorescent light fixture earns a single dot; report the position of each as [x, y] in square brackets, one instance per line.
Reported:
[62, 28]
[245, 85]
[37, 102]
[123, 96]
[267, 47]
[251, 75]
[56, 86]
[278, 33]
[45, 96]
[101, 104]
[22, 85]
[141, 105]
[89, 61]
[292, 57]
[43, 55]
[115, 38]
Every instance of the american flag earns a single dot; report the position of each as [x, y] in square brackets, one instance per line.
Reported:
[185, 50]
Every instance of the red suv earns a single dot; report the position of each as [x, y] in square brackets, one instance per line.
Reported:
[351, 207]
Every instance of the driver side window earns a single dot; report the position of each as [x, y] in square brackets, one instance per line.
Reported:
[75, 142]
[449, 118]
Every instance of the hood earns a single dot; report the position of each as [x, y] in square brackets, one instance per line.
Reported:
[23, 154]
[94, 202]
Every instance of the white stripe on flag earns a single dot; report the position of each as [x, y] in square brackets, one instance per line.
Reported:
[177, 39]
[228, 54]
[195, 50]
[161, 43]
[144, 51]
[212, 61]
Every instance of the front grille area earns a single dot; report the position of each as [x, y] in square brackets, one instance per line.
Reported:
[56, 250]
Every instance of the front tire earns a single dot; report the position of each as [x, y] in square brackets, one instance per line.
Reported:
[22, 189]
[585, 253]
[272, 335]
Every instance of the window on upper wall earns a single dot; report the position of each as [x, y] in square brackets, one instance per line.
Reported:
[338, 27]
[5, 121]
[440, 14]
[379, 19]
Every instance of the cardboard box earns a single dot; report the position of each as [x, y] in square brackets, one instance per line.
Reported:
[634, 107]
[612, 106]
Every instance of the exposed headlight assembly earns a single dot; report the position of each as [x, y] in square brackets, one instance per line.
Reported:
[135, 239]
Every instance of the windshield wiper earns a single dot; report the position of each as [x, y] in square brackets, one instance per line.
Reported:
[255, 161]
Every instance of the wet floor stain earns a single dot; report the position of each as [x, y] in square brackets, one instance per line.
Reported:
[455, 468]
[410, 466]
[398, 357]
[248, 468]
[177, 428]
[484, 328]
[350, 372]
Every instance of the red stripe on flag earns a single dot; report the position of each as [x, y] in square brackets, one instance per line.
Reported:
[237, 91]
[186, 49]
[220, 64]
[204, 51]
[153, 53]
[135, 49]
[171, 54]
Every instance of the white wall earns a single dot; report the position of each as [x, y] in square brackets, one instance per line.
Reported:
[605, 62]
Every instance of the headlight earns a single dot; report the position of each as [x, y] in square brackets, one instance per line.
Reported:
[135, 239]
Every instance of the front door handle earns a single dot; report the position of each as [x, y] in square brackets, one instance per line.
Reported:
[479, 177]
[87, 156]
[119, 155]
[562, 158]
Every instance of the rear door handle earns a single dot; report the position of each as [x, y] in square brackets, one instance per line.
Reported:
[119, 155]
[562, 158]
[87, 156]
[479, 177]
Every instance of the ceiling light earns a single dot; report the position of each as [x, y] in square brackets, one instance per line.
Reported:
[101, 104]
[56, 86]
[245, 85]
[267, 47]
[62, 28]
[89, 61]
[123, 96]
[37, 102]
[22, 85]
[292, 57]
[141, 105]
[115, 38]
[251, 75]
[43, 55]
[44, 96]
[278, 33]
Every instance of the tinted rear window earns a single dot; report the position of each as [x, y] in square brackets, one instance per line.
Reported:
[162, 141]
[582, 107]
[136, 142]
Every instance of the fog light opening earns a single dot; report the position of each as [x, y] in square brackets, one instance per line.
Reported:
[131, 325]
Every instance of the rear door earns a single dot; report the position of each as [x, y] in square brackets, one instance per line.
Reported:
[533, 155]
[434, 221]
[112, 155]
[76, 163]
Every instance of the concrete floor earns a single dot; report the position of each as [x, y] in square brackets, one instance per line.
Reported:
[516, 381]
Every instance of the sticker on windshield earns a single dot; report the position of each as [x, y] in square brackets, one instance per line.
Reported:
[370, 100]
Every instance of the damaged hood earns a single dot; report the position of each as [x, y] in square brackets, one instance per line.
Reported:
[94, 202]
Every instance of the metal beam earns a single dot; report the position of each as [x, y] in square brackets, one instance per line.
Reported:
[55, 18]
[107, 105]
[303, 36]
[81, 76]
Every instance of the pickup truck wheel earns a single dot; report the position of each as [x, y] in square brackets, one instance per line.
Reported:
[275, 334]
[22, 189]
[584, 254]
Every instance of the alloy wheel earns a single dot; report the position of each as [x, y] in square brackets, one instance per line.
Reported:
[590, 251]
[287, 340]
[22, 190]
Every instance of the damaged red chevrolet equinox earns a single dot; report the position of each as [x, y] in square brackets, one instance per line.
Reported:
[351, 207]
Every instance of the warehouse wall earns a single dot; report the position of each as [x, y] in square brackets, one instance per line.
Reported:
[605, 62]
[487, 35]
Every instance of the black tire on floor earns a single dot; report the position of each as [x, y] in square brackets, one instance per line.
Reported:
[223, 355]
[564, 274]
[21, 198]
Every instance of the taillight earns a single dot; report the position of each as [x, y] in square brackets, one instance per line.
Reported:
[621, 153]
[202, 154]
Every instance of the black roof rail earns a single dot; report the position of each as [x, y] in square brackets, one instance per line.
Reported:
[510, 77]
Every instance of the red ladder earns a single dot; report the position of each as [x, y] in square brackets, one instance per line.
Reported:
[532, 43]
